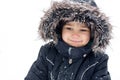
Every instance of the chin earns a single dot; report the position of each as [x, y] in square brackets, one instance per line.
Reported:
[76, 45]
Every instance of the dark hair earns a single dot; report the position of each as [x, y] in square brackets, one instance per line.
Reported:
[59, 27]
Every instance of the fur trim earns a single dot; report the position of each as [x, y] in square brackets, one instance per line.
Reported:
[68, 10]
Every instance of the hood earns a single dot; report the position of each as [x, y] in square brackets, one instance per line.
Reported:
[81, 11]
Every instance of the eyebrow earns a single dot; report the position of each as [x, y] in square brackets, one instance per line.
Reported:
[83, 26]
[68, 23]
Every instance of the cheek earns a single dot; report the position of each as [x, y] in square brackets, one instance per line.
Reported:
[65, 33]
[86, 37]
[65, 36]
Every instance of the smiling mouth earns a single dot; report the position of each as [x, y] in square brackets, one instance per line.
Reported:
[75, 41]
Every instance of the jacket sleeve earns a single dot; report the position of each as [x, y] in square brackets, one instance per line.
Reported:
[38, 70]
[101, 70]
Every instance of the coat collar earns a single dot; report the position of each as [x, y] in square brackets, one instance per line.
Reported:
[72, 52]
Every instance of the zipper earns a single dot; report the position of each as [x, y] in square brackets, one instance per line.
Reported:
[49, 61]
[87, 70]
[69, 51]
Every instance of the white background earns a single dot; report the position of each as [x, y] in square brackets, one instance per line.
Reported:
[20, 44]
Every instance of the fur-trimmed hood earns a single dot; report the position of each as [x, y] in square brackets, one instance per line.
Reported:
[82, 11]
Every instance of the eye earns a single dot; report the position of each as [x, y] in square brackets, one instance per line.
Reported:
[83, 30]
[68, 28]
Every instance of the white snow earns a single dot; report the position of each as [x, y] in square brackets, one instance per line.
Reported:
[20, 44]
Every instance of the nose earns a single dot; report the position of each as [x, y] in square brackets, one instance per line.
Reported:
[75, 35]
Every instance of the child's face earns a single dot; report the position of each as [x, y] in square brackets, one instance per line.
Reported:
[76, 34]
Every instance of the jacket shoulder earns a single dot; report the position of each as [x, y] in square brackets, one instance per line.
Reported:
[48, 45]
[47, 50]
[101, 57]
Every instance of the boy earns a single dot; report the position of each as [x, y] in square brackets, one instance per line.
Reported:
[80, 34]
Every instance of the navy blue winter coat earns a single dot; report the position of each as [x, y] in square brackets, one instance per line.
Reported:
[51, 63]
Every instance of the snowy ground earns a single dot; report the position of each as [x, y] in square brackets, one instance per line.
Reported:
[19, 41]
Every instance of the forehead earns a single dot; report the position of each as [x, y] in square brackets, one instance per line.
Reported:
[74, 23]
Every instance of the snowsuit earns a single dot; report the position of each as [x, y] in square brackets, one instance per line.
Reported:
[60, 61]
